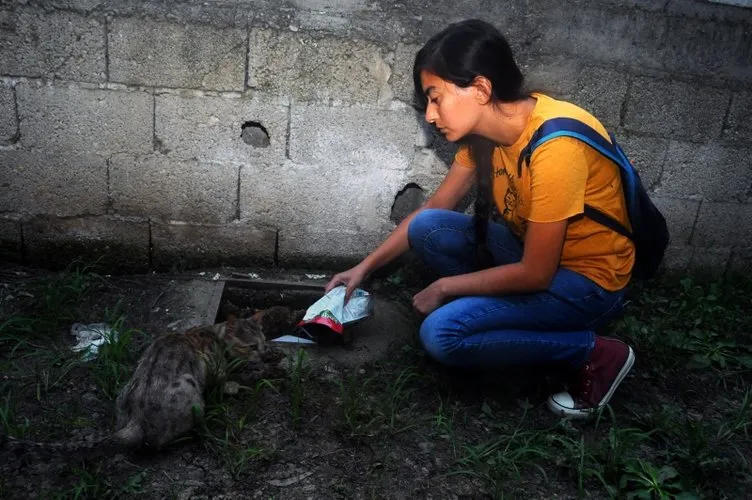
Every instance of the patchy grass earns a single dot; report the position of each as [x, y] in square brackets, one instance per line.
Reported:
[679, 427]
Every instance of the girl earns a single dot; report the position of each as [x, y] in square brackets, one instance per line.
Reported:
[531, 290]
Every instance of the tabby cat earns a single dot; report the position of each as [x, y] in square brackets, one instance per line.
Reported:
[166, 392]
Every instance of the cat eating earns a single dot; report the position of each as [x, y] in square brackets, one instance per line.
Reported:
[166, 392]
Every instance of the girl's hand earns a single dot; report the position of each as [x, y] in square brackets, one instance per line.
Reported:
[350, 278]
[430, 298]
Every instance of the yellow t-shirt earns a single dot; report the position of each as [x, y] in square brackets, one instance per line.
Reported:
[563, 175]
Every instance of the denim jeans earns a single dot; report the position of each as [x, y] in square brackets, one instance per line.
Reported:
[490, 332]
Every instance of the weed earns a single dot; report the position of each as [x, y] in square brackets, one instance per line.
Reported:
[60, 298]
[444, 424]
[645, 480]
[355, 415]
[8, 420]
[398, 394]
[94, 485]
[296, 386]
[504, 457]
[221, 430]
[54, 365]
[115, 358]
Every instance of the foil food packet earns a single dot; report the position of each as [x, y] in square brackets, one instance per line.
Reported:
[325, 320]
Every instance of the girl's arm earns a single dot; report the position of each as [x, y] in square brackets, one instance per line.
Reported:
[540, 261]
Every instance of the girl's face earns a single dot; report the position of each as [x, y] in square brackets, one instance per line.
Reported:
[455, 111]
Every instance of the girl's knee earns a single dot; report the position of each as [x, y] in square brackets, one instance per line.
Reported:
[438, 341]
[421, 225]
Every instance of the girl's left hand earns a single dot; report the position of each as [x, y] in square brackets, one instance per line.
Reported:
[430, 298]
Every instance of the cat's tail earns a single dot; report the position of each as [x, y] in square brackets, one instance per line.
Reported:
[130, 436]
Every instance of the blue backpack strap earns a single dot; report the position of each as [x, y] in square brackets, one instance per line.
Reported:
[569, 127]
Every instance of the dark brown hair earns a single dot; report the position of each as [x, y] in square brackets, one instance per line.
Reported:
[459, 54]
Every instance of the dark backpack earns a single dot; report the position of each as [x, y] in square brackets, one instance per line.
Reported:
[649, 231]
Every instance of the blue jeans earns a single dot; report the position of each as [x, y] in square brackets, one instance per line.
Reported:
[491, 332]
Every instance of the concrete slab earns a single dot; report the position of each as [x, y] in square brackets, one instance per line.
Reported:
[191, 302]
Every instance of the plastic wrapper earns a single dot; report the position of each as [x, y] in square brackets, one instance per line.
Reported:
[326, 319]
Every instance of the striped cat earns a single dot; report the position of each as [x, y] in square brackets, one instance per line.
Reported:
[166, 392]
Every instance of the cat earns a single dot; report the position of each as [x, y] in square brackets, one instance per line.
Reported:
[277, 320]
[166, 392]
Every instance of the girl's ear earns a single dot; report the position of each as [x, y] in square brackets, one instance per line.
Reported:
[483, 89]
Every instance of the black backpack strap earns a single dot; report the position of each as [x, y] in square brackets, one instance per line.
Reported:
[569, 127]
[607, 221]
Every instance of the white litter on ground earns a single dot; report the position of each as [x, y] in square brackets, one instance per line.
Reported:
[292, 339]
[315, 276]
[90, 337]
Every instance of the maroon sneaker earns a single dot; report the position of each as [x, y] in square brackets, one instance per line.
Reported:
[610, 361]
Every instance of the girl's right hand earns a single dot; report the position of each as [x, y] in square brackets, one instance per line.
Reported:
[350, 278]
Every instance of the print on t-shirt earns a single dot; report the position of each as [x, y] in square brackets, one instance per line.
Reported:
[512, 202]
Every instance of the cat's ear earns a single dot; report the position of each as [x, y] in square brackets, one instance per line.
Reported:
[231, 325]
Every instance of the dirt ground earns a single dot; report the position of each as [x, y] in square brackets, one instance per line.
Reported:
[398, 427]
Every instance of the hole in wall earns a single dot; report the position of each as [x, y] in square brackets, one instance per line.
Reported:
[409, 199]
[255, 134]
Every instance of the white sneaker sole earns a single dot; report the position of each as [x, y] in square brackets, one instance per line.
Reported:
[565, 411]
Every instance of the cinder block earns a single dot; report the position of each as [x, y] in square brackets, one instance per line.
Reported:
[11, 249]
[674, 109]
[402, 76]
[717, 10]
[185, 246]
[680, 217]
[79, 5]
[326, 196]
[116, 244]
[318, 68]
[706, 47]
[322, 249]
[365, 139]
[741, 262]
[8, 118]
[58, 183]
[427, 161]
[70, 119]
[738, 127]
[210, 128]
[553, 75]
[601, 91]
[647, 154]
[145, 52]
[156, 186]
[58, 44]
[709, 171]
[710, 261]
[600, 33]
[676, 259]
[724, 225]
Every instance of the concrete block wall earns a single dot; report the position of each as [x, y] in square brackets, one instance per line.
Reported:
[177, 134]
